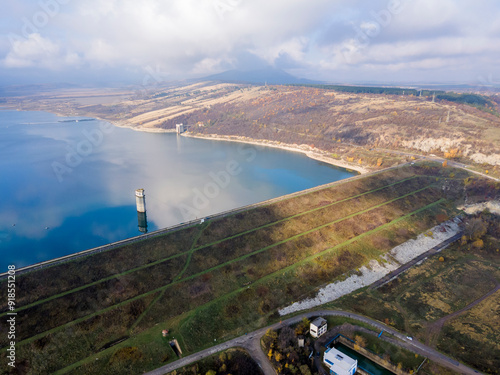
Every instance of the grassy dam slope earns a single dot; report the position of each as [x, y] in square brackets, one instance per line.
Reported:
[219, 279]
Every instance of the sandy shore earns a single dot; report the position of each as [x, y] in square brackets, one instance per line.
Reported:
[311, 152]
[128, 125]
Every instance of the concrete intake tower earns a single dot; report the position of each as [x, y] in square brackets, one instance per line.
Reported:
[140, 200]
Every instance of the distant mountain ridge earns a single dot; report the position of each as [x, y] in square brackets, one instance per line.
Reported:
[271, 76]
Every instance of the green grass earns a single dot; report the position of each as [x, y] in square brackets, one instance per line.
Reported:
[199, 327]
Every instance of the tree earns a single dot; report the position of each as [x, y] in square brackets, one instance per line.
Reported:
[463, 240]
[269, 338]
[303, 326]
[293, 357]
[222, 357]
[478, 244]
[305, 370]
[452, 154]
[286, 338]
[360, 340]
[278, 356]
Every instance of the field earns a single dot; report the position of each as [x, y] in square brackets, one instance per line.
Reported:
[221, 278]
[451, 301]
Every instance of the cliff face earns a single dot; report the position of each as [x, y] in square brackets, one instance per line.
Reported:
[444, 145]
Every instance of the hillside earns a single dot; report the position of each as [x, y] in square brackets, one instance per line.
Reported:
[370, 129]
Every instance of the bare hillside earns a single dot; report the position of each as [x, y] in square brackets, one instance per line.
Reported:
[362, 128]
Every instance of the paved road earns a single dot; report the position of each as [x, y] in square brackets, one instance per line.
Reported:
[251, 342]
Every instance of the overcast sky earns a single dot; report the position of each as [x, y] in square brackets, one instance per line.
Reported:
[130, 41]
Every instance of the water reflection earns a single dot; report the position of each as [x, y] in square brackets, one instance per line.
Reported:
[142, 222]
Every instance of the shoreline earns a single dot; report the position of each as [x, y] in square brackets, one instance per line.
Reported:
[310, 152]
[126, 125]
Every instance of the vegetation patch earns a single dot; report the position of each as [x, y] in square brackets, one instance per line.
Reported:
[233, 361]
[446, 301]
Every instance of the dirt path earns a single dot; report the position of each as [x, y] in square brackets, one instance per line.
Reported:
[414, 261]
[434, 329]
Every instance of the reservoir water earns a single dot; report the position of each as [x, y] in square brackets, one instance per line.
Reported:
[69, 185]
[363, 363]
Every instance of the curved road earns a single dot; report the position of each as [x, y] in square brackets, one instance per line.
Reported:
[251, 342]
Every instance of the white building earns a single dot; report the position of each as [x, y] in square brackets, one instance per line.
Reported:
[318, 327]
[301, 341]
[339, 363]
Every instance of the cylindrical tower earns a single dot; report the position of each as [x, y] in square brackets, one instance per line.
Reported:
[140, 200]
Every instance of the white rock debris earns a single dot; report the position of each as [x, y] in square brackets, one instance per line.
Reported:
[375, 270]
[493, 206]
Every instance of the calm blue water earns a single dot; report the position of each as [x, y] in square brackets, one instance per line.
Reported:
[70, 186]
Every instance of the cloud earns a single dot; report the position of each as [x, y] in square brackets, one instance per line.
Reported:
[293, 48]
[210, 65]
[37, 51]
[190, 33]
